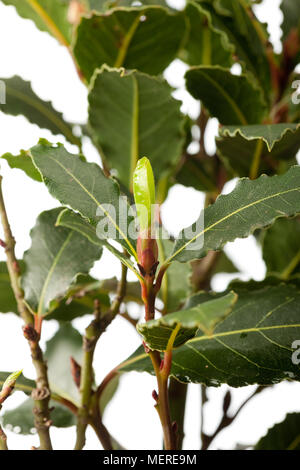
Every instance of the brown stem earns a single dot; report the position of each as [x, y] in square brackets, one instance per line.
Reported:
[41, 395]
[88, 411]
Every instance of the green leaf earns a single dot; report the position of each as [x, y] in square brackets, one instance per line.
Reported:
[108, 394]
[23, 384]
[21, 99]
[251, 205]
[144, 127]
[253, 345]
[65, 343]
[205, 44]
[246, 34]
[277, 145]
[282, 436]
[281, 247]
[176, 285]
[181, 326]
[143, 38]
[271, 134]
[291, 16]
[57, 255]
[197, 174]
[22, 419]
[71, 220]
[7, 298]
[233, 99]
[48, 15]
[23, 162]
[84, 188]
[80, 299]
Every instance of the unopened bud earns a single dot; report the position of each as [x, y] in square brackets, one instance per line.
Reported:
[75, 371]
[154, 395]
[9, 385]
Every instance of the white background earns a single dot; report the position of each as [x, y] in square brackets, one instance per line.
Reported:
[130, 417]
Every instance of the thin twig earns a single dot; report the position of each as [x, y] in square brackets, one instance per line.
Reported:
[88, 412]
[41, 395]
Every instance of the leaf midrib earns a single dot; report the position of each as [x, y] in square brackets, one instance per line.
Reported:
[215, 336]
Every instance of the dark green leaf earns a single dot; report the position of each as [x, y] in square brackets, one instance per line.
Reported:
[291, 16]
[281, 247]
[277, 144]
[48, 15]
[203, 317]
[197, 174]
[145, 38]
[84, 188]
[248, 37]
[22, 417]
[204, 44]
[253, 345]
[148, 121]
[282, 436]
[233, 99]
[70, 219]
[251, 205]
[7, 298]
[57, 255]
[21, 99]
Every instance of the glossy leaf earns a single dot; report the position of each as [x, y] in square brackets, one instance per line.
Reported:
[277, 145]
[21, 419]
[70, 219]
[203, 317]
[65, 343]
[281, 247]
[253, 345]
[251, 205]
[231, 98]
[144, 126]
[248, 37]
[48, 15]
[282, 436]
[22, 100]
[84, 188]
[143, 38]
[57, 255]
[205, 45]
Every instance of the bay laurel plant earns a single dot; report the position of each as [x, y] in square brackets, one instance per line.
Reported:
[246, 335]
